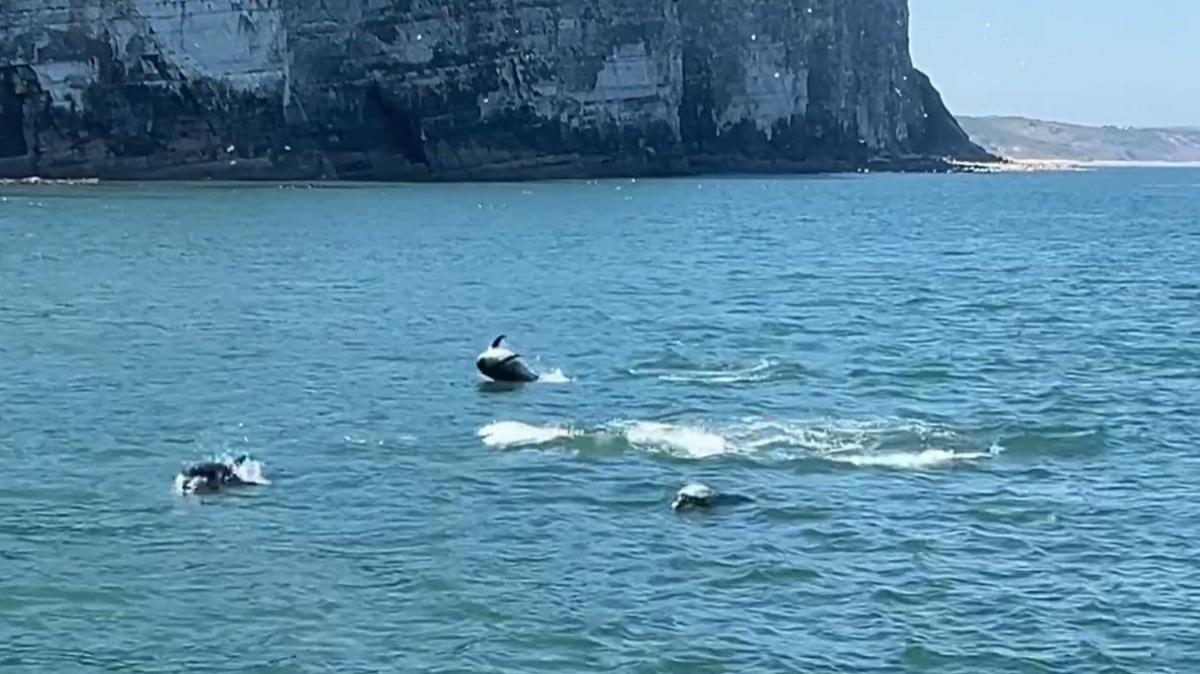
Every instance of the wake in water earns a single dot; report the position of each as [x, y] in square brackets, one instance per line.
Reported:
[510, 434]
[928, 458]
[760, 371]
[219, 474]
[897, 444]
[679, 369]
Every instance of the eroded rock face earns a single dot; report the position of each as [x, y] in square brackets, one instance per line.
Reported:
[461, 89]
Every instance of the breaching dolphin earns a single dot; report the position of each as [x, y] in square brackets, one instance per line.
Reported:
[502, 365]
[213, 476]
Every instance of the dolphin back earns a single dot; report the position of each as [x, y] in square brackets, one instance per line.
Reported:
[511, 369]
[520, 371]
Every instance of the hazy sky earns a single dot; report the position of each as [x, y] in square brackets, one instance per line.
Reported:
[1124, 62]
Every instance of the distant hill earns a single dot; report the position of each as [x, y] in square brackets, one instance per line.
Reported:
[1023, 138]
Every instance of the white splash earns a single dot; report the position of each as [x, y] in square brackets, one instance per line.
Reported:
[889, 443]
[506, 434]
[250, 471]
[928, 458]
[691, 441]
[186, 485]
[555, 376]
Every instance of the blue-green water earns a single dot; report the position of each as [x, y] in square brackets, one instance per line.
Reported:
[965, 408]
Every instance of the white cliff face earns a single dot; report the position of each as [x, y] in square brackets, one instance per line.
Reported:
[430, 89]
[772, 92]
[622, 84]
[240, 42]
[786, 81]
[66, 82]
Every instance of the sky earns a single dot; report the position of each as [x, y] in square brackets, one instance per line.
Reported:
[1121, 62]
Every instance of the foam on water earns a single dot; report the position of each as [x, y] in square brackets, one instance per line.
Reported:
[506, 434]
[250, 470]
[928, 458]
[555, 376]
[911, 444]
[690, 441]
[898, 443]
[676, 439]
[186, 485]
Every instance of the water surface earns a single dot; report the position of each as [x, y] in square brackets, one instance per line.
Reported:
[964, 408]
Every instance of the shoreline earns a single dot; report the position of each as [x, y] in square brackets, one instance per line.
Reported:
[1011, 165]
[1006, 165]
[544, 169]
[1021, 166]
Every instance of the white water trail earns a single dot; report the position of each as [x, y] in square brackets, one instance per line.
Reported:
[507, 434]
[929, 458]
[903, 444]
[690, 441]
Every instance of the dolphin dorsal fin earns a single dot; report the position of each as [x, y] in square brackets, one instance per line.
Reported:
[496, 342]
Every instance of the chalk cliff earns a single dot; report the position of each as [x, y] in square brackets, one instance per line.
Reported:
[462, 89]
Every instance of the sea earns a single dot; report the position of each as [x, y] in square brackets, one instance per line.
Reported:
[957, 414]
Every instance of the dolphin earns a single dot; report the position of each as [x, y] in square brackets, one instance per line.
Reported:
[693, 496]
[212, 476]
[502, 365]
[696, 496]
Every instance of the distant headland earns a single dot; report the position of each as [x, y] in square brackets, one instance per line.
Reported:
[1026, 140]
